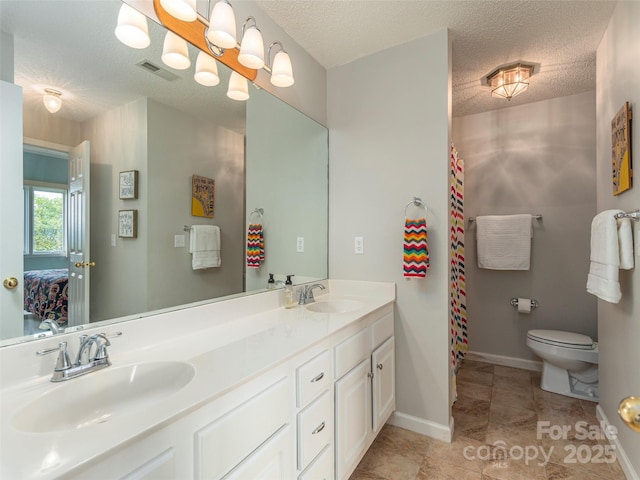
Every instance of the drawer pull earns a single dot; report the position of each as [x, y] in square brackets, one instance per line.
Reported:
[318, 429]
[318, 378]
[379, 366]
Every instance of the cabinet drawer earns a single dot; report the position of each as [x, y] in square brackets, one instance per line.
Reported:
[321, 468]
[352, 351]
[314, 429]
[223, 443]
[381, 330]
[313, 377]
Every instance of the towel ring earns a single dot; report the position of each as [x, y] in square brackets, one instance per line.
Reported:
[417, 201]
[257, 211]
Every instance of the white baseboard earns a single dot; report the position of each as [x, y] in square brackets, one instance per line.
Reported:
[422, 426]
[505, 361]
[623, 459]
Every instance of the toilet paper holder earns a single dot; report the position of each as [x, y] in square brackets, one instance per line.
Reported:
[534, 303]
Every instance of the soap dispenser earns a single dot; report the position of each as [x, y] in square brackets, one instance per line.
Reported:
[271, 283]
[289, 301]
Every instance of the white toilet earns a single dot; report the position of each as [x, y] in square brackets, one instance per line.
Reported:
[569, 362]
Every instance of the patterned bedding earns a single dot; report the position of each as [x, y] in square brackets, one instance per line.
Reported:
[45, 294]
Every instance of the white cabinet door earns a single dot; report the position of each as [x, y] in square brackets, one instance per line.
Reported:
[384, 383]
[353, 417]
[271, 461]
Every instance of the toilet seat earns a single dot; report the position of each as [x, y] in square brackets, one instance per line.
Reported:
[562, 339]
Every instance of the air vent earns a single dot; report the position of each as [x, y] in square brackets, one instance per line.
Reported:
[156, 70]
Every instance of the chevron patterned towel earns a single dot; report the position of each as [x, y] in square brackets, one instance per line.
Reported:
[255, 245]
[416, 251]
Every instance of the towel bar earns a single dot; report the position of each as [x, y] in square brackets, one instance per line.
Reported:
[537, 216]
[635, 215]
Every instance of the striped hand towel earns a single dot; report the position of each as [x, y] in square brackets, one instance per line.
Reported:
[255, 245]
[416, 251]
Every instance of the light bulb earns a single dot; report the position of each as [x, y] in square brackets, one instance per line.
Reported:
[181, 9]
[282, 72]
[175, 52]
[222, 26]
[132, 28]
[238, 87]
[252, 49]
[206, 70]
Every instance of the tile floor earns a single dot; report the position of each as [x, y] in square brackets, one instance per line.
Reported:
[496, 424]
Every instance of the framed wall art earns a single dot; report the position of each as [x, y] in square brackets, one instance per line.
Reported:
[621, 150]
[128, 223]
[202, 196]
[129, 184]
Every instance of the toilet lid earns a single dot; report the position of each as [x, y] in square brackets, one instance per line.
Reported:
[563, 339]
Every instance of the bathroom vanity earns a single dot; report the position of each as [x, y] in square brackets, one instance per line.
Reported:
[237, 389]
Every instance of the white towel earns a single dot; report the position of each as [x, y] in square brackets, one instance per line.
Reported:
[204, 245]
[504, 241]
[611, 249]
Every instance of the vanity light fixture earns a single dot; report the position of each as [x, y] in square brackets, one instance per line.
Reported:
[281, 70]
[184, 10]
[252, 47]
[215, 34]
[175, 52]
[52, 100]
[238, 87]
[507, 82]
[206, 70]
[132, 28]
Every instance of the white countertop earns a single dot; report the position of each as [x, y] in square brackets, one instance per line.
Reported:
[224, 355]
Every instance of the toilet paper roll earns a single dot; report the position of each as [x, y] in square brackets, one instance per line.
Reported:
[524, 305]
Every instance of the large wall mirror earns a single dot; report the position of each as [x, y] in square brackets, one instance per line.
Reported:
[128, 112]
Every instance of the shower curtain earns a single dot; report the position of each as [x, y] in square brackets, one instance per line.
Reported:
[457, 288]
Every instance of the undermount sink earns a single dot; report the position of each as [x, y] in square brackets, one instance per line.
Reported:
[334, 306]
[98, 397]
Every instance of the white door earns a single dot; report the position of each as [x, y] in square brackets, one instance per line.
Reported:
[79, 256]
[384, 383]
[353, 418]
[11, 213]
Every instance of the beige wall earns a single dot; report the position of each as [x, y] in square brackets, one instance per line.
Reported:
[388, 144]
[533, 158]
[618, 74]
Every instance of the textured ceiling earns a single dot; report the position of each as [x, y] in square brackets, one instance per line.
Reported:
[561, 36]
[70, 45]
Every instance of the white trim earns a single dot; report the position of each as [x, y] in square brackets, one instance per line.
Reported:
[56, 186]
[422, 426]
[623, 459]
[514, 362]
[35, 145]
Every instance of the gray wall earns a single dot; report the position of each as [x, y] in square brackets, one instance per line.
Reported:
[388, 144]
[534, 158]
[180, 146]
[618, 71]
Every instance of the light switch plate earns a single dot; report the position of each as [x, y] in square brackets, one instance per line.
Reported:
[178, 241]
[113, 239]
[358, 245]
[300, 244]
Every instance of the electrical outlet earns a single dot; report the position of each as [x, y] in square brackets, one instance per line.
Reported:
[300, 244]
[178, 241]
[358, 245]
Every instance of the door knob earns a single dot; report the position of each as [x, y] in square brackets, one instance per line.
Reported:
[85, 264]
[10, 283]
[629, 411]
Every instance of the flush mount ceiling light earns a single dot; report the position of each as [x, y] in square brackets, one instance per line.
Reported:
[52, 100]
[213, 36]
[507, 82]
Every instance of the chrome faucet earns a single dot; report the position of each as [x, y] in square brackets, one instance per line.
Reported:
[306, 293]
[50, 324]
[85, 362]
